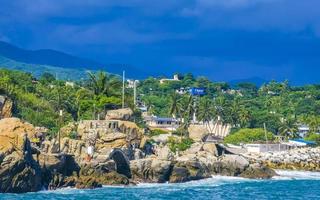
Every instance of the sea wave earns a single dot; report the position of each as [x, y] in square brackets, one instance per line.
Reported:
[296, 175]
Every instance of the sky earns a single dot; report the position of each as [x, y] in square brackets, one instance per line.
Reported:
[221, 39]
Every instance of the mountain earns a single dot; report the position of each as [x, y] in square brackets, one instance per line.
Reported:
[66, 66]
[46, 57]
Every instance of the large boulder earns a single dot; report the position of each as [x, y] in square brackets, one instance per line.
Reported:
[197, 132]
[188, 171]
[12, 131]
[231, 165]
[5, 107]
[256, 171]
[120, 114]
[150, 170]
[95, 176]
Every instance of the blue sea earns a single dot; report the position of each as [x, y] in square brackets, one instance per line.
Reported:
[289, 185]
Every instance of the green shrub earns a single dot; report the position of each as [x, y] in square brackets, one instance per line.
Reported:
[248, 136]
[176, 144]
[157, 132]
[313, 137]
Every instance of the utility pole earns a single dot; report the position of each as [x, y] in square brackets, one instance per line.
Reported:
[266, 135]
[123, 80]
[59, 132]
[94, 112]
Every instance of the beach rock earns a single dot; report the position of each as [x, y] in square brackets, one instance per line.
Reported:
[120, 114]
[231, 165]
[150, 170]
[258, 172]
[188, 171]
[95, 176]
[6, 105]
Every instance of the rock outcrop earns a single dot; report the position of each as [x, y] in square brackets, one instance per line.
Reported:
[120, 114]
[197, 132]
[19, 172]
[6, 105]
[151, 170]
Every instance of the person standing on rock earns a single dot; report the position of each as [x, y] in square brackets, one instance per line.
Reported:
[90, 151]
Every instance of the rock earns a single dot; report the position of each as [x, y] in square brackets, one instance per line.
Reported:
[19, 173]
[210, 148]
[113, 178]
[52, 162]
[6, 105]
[87, 182]
[150, 170]
[112, 140]
[231, 165]
[95, 176]
[197, 132]
[187, 171]
[162, 138]
[120, 114]
[258, 172]
[164, 153]
[68, 129]
[195, 148]
[12, 131]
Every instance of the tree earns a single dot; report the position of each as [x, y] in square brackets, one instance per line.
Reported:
[288, 127]
[247, 135]
[103, 83]
[175, 105]
[207, 113]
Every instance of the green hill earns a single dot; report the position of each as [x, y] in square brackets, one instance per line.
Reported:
[37, 70]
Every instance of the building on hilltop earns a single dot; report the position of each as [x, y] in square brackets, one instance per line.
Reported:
[175, 78]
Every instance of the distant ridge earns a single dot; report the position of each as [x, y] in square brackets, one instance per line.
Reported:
[256, 80]
[46, 57]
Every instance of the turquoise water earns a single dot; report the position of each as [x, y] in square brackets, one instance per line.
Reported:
[290, 185]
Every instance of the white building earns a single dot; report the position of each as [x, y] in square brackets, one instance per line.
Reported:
[175, 78]
[263, 148]
[162, 122]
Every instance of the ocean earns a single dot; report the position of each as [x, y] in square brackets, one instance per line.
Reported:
[289, 185]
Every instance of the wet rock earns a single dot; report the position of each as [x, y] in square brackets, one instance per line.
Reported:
[150, 170]
[258, 172]
[187, 171]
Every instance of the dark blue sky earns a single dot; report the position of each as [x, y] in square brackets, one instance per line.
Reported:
[222, 39]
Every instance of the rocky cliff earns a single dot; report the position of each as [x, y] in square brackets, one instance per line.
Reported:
[19, 172]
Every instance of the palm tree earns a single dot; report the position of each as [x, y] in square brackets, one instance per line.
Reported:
[175, 107]
[288, 128]
[244, 116]
[207, 113]
[313, 122]
[103, 83]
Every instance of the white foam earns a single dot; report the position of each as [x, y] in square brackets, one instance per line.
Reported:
[297, 175]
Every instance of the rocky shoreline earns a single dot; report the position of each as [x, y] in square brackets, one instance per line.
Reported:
[120, 157]
[307, 159]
